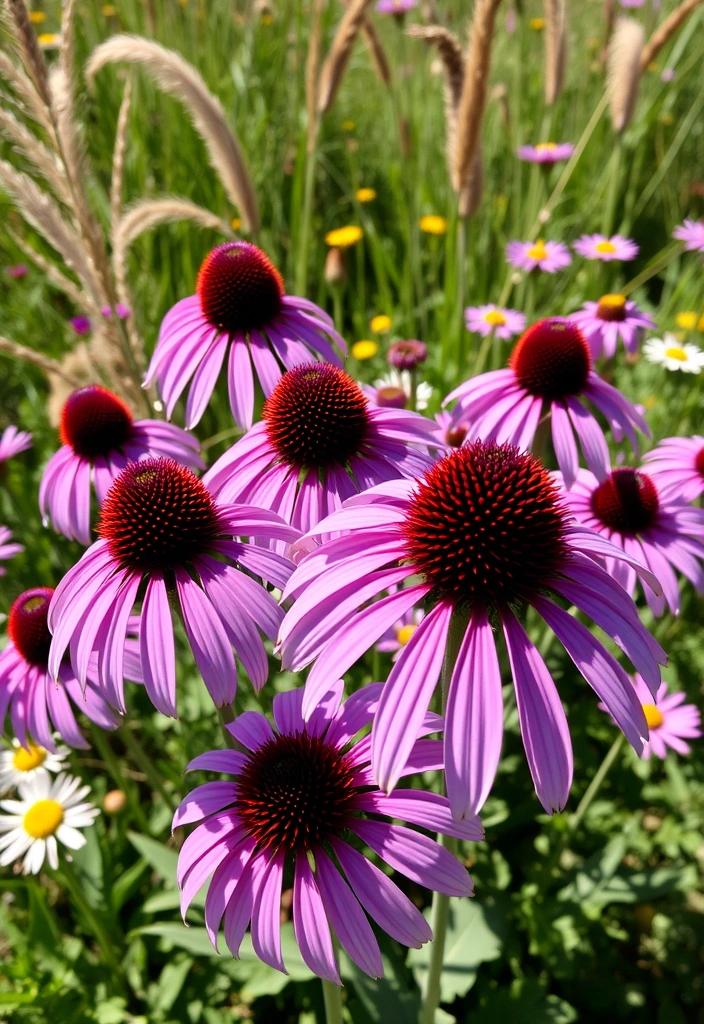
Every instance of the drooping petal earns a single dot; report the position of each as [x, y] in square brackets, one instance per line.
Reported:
[310, 923]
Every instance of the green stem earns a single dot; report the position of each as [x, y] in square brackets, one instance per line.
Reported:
[311, 162]
[332, 997]
[595, 785]
[147, 766]
[111, 760]
[68, 876]
[659, 264]
[613, 188]
[226, 715]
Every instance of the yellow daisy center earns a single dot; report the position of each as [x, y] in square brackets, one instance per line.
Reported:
[43, 818]
[546, 147]
[653, 716]
[538, 251]
[676, 352]
[614, 301]
[364, 349]
[404, 634]
[27, 760]
[495, 318]
[605, 247]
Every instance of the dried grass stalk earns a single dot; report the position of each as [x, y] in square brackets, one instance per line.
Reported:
[340, 52]
[177, 77]
[118, 154]
[44, 162]
[555, 47]
[623, 71]
[49, 366]
[664, 32]
[26, 94]
[28, 48]
[376, 52]
[312, 67]
[474, 91]
[57, 278]
[471, 195]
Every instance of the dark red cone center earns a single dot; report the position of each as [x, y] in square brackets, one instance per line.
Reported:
[699, 462]
[158, 516]
[296, 792]
[316, 416]
[27, 627]
[95, 422]
[239, 287]
[552, 359]
[486, 525]
[627, 501]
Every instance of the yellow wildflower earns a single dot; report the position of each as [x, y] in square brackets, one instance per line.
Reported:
[380, 323]
[366, 195]
[109, 10]
[364, 349]
[343, 238]
[348, 126]
[236, 223]
[37, 17]
[433, 224]
[687, 321]
[537, 24]
[49, 40]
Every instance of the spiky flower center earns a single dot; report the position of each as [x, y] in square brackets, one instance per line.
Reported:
[27, 626]
[295, 793]
[653, 716]
[43, 818]
[95, 422]
[627, 501]
[699, 462]
[157, 516]
[486, 525]
[316, 416]
[612, 308]
[27, 760]
[239, 287]
[552, 359]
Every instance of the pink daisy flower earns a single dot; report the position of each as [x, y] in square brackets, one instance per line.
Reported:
[482, 533]
[614, 316]
[599, 247]
[397, 636]
[485, 319]
[677, 467]
[549, 372]
[12, 442]
[670, 720]
[7, 550]
[163, 536]
[39, 704]
[395, 6]
[301, 791]
[320, 441]
[547, 256]
[629, 511]
[240, 306]
[692, 234]
[546, 152]
[99, 438]
[121, 309]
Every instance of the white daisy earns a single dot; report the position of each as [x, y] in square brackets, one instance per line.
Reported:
[673, 355]
[48, 810]
[20, 765]
[401, 380]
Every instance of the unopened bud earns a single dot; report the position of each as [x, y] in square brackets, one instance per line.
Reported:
[114, 801]
[335, 266]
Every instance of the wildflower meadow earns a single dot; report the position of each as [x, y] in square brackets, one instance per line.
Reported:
[351, 511]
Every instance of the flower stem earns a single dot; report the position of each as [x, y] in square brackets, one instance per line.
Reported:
[146, 764]
[72, 883]
[332, 997]
[226, 714]
[595, 785]
[108, 755]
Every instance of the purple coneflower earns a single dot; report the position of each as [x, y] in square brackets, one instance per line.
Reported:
[670, 720]
[546, 152]
[7, 550]
[692, 234]
[407, 355]
[547, 256]
[483, 533]
[503, 322]
[303, 791]
[240, 305]
[628, 510]
[614, 316]
[161, 530]
[550, 371]
[12, 442]
[599, 247]
[99, 438]
[38, 703]
[320, 441]
[677, 467]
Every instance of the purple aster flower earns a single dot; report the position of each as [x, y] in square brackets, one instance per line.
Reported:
[163, 536]
[122, 311]
[320, 441]
[397, 636]
[503, 322]
[240, 306]
[7, 550]
[302, 791]
[629, 511]
[677, 467]
[547, 256]
[670, 720]
[692, 234]
[16, 272]
[614, 316]
[12, 442]
[599, 247]
[406, 355]
[546, 152]
[550, 371]
[39, 705]
[397, 7]
[99, 438]
[80, 324]
[447, 534]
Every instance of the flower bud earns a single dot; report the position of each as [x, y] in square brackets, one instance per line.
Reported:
[406, 355]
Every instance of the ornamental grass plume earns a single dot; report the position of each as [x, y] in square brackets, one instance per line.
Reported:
[302, 798]
[555, 48]
[482, 534]
[339, 54]
[664, 32]
[623, 71]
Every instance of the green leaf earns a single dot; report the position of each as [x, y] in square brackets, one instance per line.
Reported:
[474, 936]
[163, 860]
[383, 999]
[643, 886]
[194, 940]
[170, 984]
[526, 1002]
